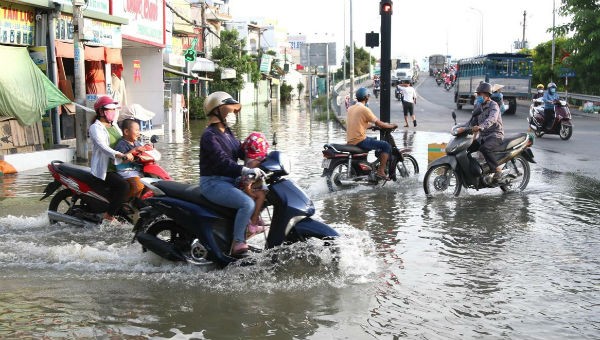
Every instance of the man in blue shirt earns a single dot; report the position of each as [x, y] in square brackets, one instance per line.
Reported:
[549, 97]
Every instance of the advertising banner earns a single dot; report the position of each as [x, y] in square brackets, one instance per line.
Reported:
[94, 31]
[17, 24]
[146, 20]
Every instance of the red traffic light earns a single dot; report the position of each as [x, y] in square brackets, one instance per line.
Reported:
[386, 8]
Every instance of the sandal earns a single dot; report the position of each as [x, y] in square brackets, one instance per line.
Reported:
[385, 178]
[406, 125]
[254, 229]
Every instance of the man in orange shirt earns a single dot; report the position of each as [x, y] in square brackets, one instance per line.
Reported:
[360, 117]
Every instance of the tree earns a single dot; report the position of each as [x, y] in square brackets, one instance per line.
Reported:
[230, 54]
[582, 53]
[362, 63]
[542, 61]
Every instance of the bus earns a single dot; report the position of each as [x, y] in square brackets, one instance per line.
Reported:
[513, 70]
[436, 62]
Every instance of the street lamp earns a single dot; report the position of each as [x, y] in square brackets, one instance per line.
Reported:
[480, 27]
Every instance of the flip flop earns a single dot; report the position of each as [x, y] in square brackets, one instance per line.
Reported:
[406, 125]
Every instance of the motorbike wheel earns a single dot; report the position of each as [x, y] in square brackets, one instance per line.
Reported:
[565, 131]
[409, 167]
[337, 174]
[539, 133]
[520, 168]
[62, 202]
[440, 180]
[168, 231]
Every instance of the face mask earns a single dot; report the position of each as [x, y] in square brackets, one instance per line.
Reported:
[231, 119]
[110, 115]
[552, 90]
[540, 91]
[479, 100]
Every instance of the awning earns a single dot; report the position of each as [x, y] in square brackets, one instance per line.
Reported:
[90, 53]
[203, 65]
[179, 73]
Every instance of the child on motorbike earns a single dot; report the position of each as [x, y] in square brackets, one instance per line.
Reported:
[255, 147]
[129, 144]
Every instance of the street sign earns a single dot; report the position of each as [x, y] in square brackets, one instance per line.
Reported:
[567, 72]
[318, 51]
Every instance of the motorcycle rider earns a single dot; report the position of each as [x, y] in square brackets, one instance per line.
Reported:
[376, 85]
[220, 151]
[104, 136]
[486, 120]
[498, 97]
[549, 97]
[360, 117]
[540, 91]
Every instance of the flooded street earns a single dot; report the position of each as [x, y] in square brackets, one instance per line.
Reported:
[484, 265]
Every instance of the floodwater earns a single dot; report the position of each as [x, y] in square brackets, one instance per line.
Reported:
[485, 265]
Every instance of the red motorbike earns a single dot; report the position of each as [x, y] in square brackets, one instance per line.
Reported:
[83, 200]
[562, 124]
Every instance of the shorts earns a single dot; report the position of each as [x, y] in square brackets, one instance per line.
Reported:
[408, 108]
[371, 143]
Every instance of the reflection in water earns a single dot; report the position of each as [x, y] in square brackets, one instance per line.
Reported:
[483, 265]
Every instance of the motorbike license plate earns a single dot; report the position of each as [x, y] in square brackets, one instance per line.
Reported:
[326, 163]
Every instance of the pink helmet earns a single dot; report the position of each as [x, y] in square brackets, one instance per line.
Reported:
[106, 102]
[256, 146]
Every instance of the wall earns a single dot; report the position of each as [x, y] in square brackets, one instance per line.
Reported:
[149, 91]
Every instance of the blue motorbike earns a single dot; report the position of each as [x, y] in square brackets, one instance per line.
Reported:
[179, 224]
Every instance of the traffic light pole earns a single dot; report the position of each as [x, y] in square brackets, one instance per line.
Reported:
[385, 10]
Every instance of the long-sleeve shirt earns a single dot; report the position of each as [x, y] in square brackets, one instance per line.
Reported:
[487, 117]
[549, 100]
[219, 153]
[102, 153]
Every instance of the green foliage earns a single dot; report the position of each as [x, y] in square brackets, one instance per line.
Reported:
[285, 92]
[300, 87]
[230, 54]
[196, 109]
[542, 62]
[583, 45]
[362, 62]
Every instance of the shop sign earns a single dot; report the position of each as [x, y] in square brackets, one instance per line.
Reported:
[94, 31]
[17, 24]
[39, 55]
[146, 20]
[91, 5]
[176, 60]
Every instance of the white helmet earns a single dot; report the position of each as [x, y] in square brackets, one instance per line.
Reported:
[216, 99]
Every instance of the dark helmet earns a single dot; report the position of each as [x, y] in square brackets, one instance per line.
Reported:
[551, 85]
[484, 87]
[362, 94]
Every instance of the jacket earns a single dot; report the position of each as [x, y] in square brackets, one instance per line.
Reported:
[102, 153]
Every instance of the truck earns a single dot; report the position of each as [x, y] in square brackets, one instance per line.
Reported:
[436, 62]
[404, 70]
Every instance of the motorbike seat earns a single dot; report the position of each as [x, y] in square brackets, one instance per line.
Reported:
[513, 140]
[348, 148]
[82, 173]
[192, 193]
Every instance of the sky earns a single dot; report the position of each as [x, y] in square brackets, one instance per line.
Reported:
[419, 27]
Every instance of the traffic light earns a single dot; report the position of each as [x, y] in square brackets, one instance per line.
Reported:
[385, 7]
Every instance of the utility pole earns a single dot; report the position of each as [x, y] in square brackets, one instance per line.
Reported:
[524, 18]
[79, 74]
[204, 35]
[351, 55]
[385, 10]
[553, 40]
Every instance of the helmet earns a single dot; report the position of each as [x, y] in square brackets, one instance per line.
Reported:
[362, 94]
[484, 87]
[540, 86]
[105, 102]
[256, 146]
[217, 99]
[551, 85]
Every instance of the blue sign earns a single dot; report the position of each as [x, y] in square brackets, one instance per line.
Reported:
[567, 72]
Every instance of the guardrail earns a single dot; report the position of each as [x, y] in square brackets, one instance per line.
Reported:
[336, 101]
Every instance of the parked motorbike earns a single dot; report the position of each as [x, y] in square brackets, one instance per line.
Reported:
[346, 165]
[562, 124]
[448, 174]
[179, 224]
[84, 197]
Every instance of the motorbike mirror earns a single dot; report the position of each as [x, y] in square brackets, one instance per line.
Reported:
[274, 139]
[454, 116]
[154, 139]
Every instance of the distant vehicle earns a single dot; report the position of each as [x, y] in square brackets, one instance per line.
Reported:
[404, 70]
[436, 62]
[513, 70]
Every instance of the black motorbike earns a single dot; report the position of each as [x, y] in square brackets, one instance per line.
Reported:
[179, 224]
[398, 93]
[346, 165]
[460, 167]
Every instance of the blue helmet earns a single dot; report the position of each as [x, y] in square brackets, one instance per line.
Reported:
[362, 94]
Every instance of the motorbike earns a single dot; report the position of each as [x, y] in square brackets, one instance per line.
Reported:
[459, 167]
[398, 93]
[448, 82]
[180, 224]
[376, 89]
[346, 165]
[562, 124]
[439, 78]
[84, 198]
